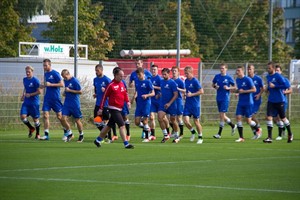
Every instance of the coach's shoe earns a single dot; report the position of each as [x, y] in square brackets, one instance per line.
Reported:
[233, 130]
[166, 138]
[80, 139]
[278, 138]
[290, 138]
[70, 137]
[97, 143]
[240, 140]
[129, 146]
[217, 136]
[200, 141]
[267, 140]
[30, 132]
[152, 138]
[45, 137]
[192, 138]
[176, 140]
[145, 140]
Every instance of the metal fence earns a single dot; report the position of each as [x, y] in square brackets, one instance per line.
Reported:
[11, 89]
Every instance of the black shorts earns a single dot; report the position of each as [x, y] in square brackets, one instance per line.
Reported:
[115, 118]
[278, 108]
[105, 112]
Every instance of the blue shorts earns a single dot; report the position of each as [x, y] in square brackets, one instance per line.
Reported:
[30, 110]
[55, 105]
[195, 112]
[275, 111]
[179, 106]
[256, 106]
[172, 110]
[245, 111]
[142, 110]
[223, 106]
[154, 106]
[125, 110]
[71, 111]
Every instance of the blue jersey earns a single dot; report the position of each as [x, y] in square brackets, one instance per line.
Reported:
[156, 82]
[71, 99]
[245, 83]
[258, 82]
[168, 87]
[192, 86]
[287, 85]
[100, 82]
[31, 85]
[276, 94]
[133, 75]
[143, 87]
[180, 84]
[52, 92]
[221, 81]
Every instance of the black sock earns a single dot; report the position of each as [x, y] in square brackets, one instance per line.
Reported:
[181, 129]
[193, 131]
[109, 135]
[220, 130]
[37, 129]
[114, 130]
[153, 132]
[288, 128]
[270, 132]
[28, 125]
[280, 130]
[240, 129]
[231, 124]
[127, 129]
[146, 134]
[168, 130]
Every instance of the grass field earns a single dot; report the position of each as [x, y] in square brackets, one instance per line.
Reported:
[216, 169]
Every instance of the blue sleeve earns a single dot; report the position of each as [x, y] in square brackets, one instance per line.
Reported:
[281, 82]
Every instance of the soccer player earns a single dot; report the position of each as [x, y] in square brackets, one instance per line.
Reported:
[222, 83]
[31, 102]
[117, 94]
[125, 113]
[245, 88]
[100, 83]
[169, 94]
[133, 75]
[179, 100]
[144, 91]
[275, 85]
[71, 106]
[259, 85]
[192, 104]
[52, 100]
[288, 90]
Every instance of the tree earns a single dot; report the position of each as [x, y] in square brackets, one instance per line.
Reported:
[12, 31]
[91, 29]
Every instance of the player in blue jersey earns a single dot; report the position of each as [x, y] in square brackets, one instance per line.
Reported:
[52, 100]
[31, 102]
[259, 85]
[222, 82]
[286, 92]
[192, 104]
[71, 106]
[169, 94]
[179, 100]
[133, 75]
[143, 92]
[245, 88]
[125, 113]
[275, 85]
[155, 79]
[100, 83]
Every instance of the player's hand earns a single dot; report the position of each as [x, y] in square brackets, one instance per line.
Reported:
[103, 89]
[189, 94]
[22, 98]
[129, 105]
[144, 96]
[67, 89]
[226, 87]
[47, 84]
[271, 85]
[94, 95]
[100, 112]
[167, 105]
[27, 95]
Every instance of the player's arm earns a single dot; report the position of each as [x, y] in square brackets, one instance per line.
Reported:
[199, 92]
[241, 91]
[59, 84]
[133, 97]
[73, 91]
[175, 95]
[151, 94]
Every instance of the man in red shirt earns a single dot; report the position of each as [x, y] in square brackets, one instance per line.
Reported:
[117, 94]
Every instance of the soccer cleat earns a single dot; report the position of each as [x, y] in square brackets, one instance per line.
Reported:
[45, 137]
[37, 137]
[114, 138]
[129, 146]
[267, 140]
[278, 138]
[176, 140]
[254, 137]
[259, 133]
[97, 143]
[80, 139]
[217, 136]
[200, 141]
[233, 130]
[240, 140]
[146, 140]
[174, 135]
[69, 137]
[290, 138]
[152, 138]
[192, 138]
[166, 138]
[30, 132]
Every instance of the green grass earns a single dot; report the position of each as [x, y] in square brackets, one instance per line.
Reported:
[217, 169]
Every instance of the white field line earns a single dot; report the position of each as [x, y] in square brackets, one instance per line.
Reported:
[149, 184]
[147, 163]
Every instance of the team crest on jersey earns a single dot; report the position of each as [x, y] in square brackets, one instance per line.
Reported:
[255, 82]
[30, 85]
[244, 84]
[50, 77]
[122, 89]
[273, 80]
[154, 83]
[167, 86]
[116, 87]
[143, 85]
[225, 80]
[103, 84]
[70, 85]
[190, 86]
